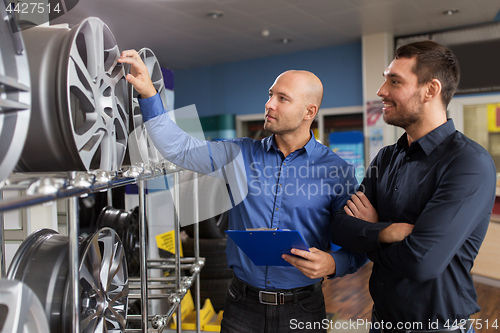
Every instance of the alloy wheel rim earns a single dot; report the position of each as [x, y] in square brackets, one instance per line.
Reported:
[103, 283]
[15, 98]
[96, 96]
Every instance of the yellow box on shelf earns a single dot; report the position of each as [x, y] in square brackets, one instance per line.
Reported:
[189, 323]
[214, 324]
[166, 242]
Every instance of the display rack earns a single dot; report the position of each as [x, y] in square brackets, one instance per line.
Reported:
[46, 187]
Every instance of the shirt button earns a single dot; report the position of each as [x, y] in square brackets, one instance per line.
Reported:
[277, 208]
[407, 158]
[279, 185]
[284, 163]
[395, 189]
[268, 282]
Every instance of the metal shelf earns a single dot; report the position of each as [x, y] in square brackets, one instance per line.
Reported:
[40, 188]
[45, 187]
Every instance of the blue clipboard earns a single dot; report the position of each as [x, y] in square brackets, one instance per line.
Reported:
[265, 247]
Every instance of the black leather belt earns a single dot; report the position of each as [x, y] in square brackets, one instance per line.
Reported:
[275, 297]
[462, 329]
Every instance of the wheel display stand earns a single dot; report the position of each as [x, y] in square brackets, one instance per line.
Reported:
[47, 187]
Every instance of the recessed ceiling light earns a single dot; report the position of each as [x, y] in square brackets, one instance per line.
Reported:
[215, 14]
[285, 40]
[451, 11]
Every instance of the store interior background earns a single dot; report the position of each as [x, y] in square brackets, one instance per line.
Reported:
[226, 65]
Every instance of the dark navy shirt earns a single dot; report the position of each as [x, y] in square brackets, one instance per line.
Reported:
[443, 183]
[301, 191]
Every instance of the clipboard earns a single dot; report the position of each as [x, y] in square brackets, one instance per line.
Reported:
[265, 247]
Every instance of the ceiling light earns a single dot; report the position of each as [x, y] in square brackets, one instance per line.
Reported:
[265, 33]
[215, 14]
[285, 40]
[451, 11]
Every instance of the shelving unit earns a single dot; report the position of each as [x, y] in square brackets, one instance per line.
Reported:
[43, 188]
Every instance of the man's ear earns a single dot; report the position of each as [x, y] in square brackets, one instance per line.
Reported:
[311, 111]
[433, 90]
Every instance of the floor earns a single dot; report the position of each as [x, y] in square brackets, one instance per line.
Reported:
[349, 303]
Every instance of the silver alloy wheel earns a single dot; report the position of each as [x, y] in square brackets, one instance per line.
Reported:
[103, 284]
[141, 147]
[42, 263]
[80, 99]
[20, 309]
[15, 96]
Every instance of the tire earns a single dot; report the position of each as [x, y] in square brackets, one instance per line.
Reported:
[214, 252]
[215, 290]
[212, 228]
[79, 100]
[15, 99]
[207, 246]
[213, 205]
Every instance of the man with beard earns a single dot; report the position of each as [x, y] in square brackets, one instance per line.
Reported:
[285, 191]
[429, 196]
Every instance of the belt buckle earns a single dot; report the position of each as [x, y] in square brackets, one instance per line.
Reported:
[276, 297]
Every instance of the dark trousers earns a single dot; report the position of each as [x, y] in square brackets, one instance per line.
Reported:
[244, 313]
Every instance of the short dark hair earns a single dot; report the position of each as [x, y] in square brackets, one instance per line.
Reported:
[433, 61]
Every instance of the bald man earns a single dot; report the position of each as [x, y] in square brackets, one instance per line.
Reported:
[292, 182]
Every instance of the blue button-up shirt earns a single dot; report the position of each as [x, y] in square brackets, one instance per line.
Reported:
[300, 191]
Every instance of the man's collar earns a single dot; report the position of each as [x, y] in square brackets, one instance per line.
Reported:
[270, 141]
[431, 140]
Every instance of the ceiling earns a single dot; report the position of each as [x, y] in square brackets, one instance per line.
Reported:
[182, 35]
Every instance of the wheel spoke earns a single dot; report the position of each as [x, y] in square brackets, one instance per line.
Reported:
[96, 46]
[120, 288]
[120, 125]
[100, 325]
[120, 148]
[87, 140]
[11, 84]
[107, 258]
[89, 277]
[12, 104]
[137, 115]
[80, 82]
[15, 97]
[112, 66]
[94, 257]
[88, 151]
[159, 84]
[150, 63]
[122, 106]
[90, 320]
[116, 268]
[117, 319]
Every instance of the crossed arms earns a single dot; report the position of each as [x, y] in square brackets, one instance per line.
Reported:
[457, 212]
